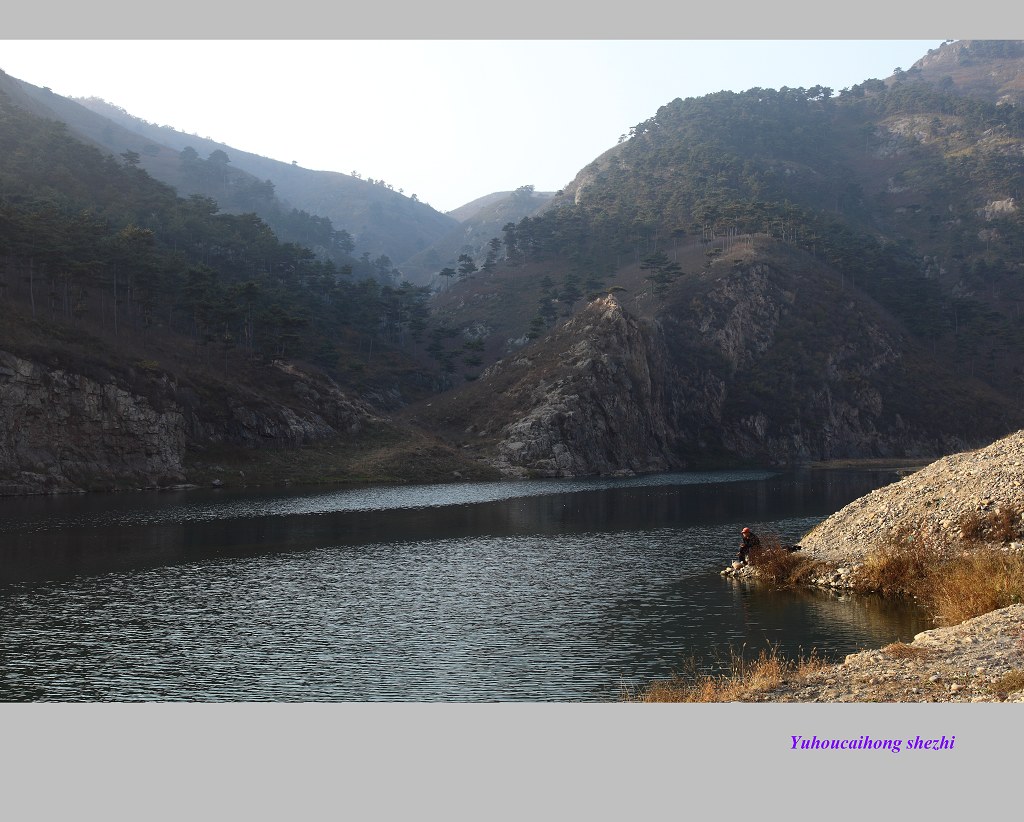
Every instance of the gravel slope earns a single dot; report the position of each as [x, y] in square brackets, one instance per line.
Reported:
[936, 496]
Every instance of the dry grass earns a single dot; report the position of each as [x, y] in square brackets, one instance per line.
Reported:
[999, 525]
[901, 650]
[953, 585]
[974, 583]
[899, 564]
[1009, 683]
[777, 565]
[744, 681]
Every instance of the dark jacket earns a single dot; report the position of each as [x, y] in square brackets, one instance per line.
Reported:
[748, 541]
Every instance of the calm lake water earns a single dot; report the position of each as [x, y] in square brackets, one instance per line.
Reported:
[548, 590]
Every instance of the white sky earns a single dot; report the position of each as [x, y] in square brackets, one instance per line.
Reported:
[449, 120]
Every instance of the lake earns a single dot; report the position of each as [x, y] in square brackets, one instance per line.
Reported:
[537, 591]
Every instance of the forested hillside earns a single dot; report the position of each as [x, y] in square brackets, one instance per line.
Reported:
[908, 191]
[385, 225]
[109, 278]
[338, 215]
[842, 269]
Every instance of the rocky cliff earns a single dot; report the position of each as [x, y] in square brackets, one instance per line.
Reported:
[807, 369]
[762, 357]
[63, 429]
[596, 407]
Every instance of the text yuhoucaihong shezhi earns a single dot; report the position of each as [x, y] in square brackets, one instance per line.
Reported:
[868, 743]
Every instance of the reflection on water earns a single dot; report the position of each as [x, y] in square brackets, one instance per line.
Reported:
[547, 591]
[50, 513]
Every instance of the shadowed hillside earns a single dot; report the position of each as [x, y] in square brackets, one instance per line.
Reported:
[477, 238]
[833, 273]
[762, 356]
[378, 221]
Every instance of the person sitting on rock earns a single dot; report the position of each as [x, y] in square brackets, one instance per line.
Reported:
[748, 540]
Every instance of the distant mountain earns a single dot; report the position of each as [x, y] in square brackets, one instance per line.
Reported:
[381, 222]
[481, 223]
[503, 205]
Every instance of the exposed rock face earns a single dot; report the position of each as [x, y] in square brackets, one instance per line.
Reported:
[64, 431]
[596, 409]
[741, 315]
[754, 362]
[318, 411]
[803, 383]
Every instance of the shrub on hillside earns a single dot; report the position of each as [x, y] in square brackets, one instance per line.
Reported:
[899, 563]
[999, 525]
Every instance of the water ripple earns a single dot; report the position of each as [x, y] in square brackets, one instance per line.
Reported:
[474, 619]
[523, 591]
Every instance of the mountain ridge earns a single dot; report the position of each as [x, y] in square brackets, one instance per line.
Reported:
[769, 276]
[381, 221]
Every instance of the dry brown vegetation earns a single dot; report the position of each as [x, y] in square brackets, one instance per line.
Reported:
[974, 583]
[901, 650]
[1009, 683]
[954, 583]
[998, 525]
[744, 680]
[776, 564]
[899, 563]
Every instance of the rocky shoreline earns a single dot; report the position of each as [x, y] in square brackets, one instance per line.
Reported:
[978, 660]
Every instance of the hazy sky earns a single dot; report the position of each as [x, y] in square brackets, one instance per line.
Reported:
[448, 120]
